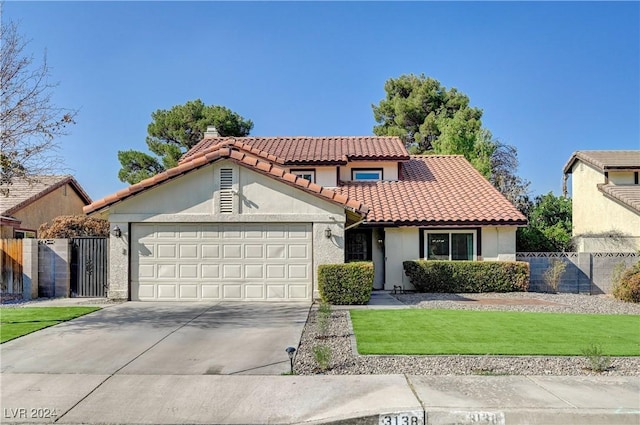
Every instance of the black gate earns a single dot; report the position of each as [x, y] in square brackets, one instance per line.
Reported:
[89, 267]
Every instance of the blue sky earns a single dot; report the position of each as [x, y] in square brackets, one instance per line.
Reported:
[551, 77]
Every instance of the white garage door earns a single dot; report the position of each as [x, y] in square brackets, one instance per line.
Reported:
[221, 262]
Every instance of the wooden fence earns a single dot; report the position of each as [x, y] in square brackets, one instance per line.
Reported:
[11, 265]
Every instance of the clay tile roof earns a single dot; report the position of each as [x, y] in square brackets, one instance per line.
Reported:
[435, 190]
[22, 192]
[606, 160]
[311, 150]
[240, 156]
[628, 195]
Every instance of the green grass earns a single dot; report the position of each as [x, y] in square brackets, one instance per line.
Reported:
[422, 331]
[16, 322]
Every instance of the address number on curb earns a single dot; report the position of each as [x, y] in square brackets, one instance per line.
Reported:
[402, 418]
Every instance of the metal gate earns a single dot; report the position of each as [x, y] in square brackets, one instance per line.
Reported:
[11, 265]
[89, 267]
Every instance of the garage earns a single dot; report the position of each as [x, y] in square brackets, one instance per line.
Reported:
[221, 261]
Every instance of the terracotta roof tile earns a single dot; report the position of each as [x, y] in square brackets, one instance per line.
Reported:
[435, 190]
[240, 157]
[310, 150]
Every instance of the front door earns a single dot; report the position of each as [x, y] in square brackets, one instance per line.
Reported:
[358, 245]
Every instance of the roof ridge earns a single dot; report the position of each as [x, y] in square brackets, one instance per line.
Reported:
[243, 158]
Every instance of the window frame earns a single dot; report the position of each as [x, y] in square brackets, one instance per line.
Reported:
[301, 171]
[380, 171]
[424, 242]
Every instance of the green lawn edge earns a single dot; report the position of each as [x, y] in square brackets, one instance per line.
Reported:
[465, 332]
[17, 322]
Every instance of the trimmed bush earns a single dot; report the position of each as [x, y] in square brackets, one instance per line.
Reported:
[628, 286]
[345, 284]
[468, 276]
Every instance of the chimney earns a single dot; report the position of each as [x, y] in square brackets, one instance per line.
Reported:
[211, 132]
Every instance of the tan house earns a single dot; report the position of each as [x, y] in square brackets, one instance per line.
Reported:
[252, 218]
[37, 201]
[606, 200]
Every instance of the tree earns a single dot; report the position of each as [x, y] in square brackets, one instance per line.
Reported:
[29, 121]
[173, 132]
[419, 109]
[549, 227]
[432, 119]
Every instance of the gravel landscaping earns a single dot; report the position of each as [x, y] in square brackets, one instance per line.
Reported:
[345, 361]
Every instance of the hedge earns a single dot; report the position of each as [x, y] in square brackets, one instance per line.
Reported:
[346, 284]
[468, 276]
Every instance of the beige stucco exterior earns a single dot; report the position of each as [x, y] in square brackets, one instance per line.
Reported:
[61, 201]
[193, 198]
[596, 214]
[389, 169]
[498, 243]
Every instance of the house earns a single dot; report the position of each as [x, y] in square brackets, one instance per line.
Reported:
[253, 218]
[38, 200]
[606, 200]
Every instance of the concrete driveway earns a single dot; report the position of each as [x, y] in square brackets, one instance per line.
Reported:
[164, 339]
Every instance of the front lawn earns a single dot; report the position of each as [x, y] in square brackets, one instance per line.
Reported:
[425, 331]
[16, 322]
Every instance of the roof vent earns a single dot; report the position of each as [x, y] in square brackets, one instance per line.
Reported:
[211, 132]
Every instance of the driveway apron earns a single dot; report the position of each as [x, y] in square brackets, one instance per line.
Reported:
[164, 338]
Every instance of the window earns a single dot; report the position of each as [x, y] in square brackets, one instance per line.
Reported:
[358, 245]
[24, 234]
[450, 245]
[306, 174]
[363, 174]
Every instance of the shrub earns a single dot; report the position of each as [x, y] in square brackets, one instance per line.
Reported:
[322, 318]
[598, 361]
[71, 226]
[628, 286]
[349, 283]
[322, 356]
[468, 276]
[554, 273]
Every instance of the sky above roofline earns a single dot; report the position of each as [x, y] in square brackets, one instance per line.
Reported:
[551, 77]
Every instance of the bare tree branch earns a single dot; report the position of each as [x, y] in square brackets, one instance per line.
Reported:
[29, 121]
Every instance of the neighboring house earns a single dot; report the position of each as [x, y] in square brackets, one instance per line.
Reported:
[253, 218]
[605, 195]
[38, 200]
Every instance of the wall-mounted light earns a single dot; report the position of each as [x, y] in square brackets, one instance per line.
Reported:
[116, 231]
[381, 242]
[327, 233]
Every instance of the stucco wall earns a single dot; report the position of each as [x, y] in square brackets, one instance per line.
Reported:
[192, 198]
[595, 213]
[401, 244]
[389, 169]
[621, 177]
[499, 243]
[62, 201]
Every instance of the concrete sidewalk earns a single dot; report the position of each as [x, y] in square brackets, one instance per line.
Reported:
[370, 399]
